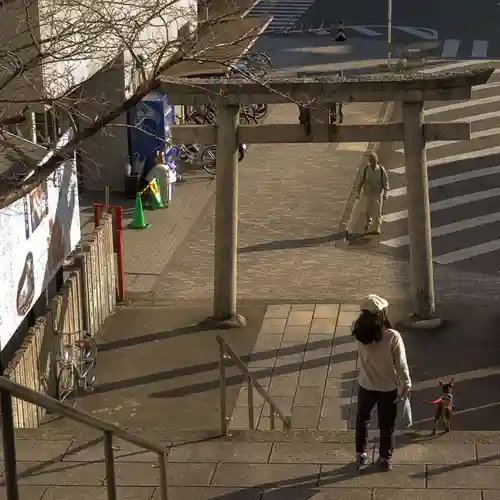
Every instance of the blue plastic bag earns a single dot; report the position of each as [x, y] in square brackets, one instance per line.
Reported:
[404, 410]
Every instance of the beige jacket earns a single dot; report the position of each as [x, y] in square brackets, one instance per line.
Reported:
[372, 181]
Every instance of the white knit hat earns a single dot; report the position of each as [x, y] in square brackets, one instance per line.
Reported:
[373, 303]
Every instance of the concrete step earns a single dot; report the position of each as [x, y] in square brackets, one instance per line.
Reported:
[299, 465]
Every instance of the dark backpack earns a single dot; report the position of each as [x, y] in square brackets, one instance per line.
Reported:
[382, 170]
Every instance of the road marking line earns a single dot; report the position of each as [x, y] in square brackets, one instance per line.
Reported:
[416, 32]
[451, 179]
[448, 203]
[453, 158]
[464, 156]
[462, 104]
[479, 48]
[450, 48]
[365, 31]
[455, 227]
[490, 85]
[455, 65]
[475, 135]
[468, 253]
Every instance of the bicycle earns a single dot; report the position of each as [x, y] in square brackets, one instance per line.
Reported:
[75, 365]
[258, 111]
[252, 65]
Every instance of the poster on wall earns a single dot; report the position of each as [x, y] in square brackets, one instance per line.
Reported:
[37, 233]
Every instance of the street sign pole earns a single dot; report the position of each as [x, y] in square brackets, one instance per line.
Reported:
[389, 32]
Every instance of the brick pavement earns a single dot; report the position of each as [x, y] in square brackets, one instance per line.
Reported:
[147, 252]
[292, 199]
[306, 358]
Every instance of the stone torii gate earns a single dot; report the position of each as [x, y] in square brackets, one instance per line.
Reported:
[411, 90]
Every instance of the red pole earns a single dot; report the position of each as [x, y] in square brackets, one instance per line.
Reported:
[97, 213]
[118, 244]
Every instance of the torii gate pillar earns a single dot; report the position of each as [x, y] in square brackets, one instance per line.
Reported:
[419, 216]
[226, 221]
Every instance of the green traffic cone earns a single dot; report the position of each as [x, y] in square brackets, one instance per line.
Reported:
[138, 221]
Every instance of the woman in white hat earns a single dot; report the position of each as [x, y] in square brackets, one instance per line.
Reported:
[383, 372]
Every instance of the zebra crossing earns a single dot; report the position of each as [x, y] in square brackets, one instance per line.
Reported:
[284, 12]
[464, 184]
[453, 48]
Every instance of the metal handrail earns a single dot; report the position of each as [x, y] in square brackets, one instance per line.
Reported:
[226, 352]
[109, 430]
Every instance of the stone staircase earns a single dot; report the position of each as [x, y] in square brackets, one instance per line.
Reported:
[305, 359]
[260, 465]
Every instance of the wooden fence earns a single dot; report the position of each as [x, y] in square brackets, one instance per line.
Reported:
[86, 299]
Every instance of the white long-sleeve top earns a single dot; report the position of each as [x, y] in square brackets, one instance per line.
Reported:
[383, 366]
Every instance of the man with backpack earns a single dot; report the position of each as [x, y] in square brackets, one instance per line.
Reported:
[374, 183]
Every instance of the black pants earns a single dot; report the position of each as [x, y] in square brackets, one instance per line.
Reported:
[387, 409]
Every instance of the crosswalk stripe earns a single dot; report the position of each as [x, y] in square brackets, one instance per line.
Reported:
[417, 32]
[450, 48]
[462, 104]
[456, 65]
[365, 31]
[284, 13]
[464, 156]
[453, 158]
[448, 203]
[404, 241]
[475, 135]
[479, 48]
[489, 85]
[468, 253]
[451, 179]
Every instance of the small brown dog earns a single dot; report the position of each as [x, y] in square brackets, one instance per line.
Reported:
[445, 406]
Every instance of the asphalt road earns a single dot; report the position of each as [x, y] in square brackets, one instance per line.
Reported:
[456, 20]
[464, 187]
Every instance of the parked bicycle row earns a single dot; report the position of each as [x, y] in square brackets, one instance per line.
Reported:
[253, 66]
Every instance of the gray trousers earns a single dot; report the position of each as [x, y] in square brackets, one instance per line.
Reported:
[373, 210]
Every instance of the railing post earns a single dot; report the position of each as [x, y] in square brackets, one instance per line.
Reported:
[223, 408]
[110, 465]
[162, 462]
[9, 443]
[251, 416]
[272, 420]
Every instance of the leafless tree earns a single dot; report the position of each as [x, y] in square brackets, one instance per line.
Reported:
[48, 48]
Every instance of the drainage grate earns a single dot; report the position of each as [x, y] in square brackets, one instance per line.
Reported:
[359, 241]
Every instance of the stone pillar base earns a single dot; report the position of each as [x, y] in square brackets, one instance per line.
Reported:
[418, 323]
[234, 321]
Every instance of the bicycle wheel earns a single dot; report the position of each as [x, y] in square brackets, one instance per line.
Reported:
[260, 111]
[259, 64]
[247, 119]
[263, 58]
[88, 353]
[198, 119]
[67, 385]
[208, 160]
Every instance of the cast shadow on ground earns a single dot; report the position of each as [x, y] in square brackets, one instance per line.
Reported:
[291, 244]
[214, 366]
[151, 337]
[260, 373]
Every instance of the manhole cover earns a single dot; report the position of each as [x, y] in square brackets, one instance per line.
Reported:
[360, 241]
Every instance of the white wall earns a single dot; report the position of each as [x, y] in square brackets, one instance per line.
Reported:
[90, 34]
